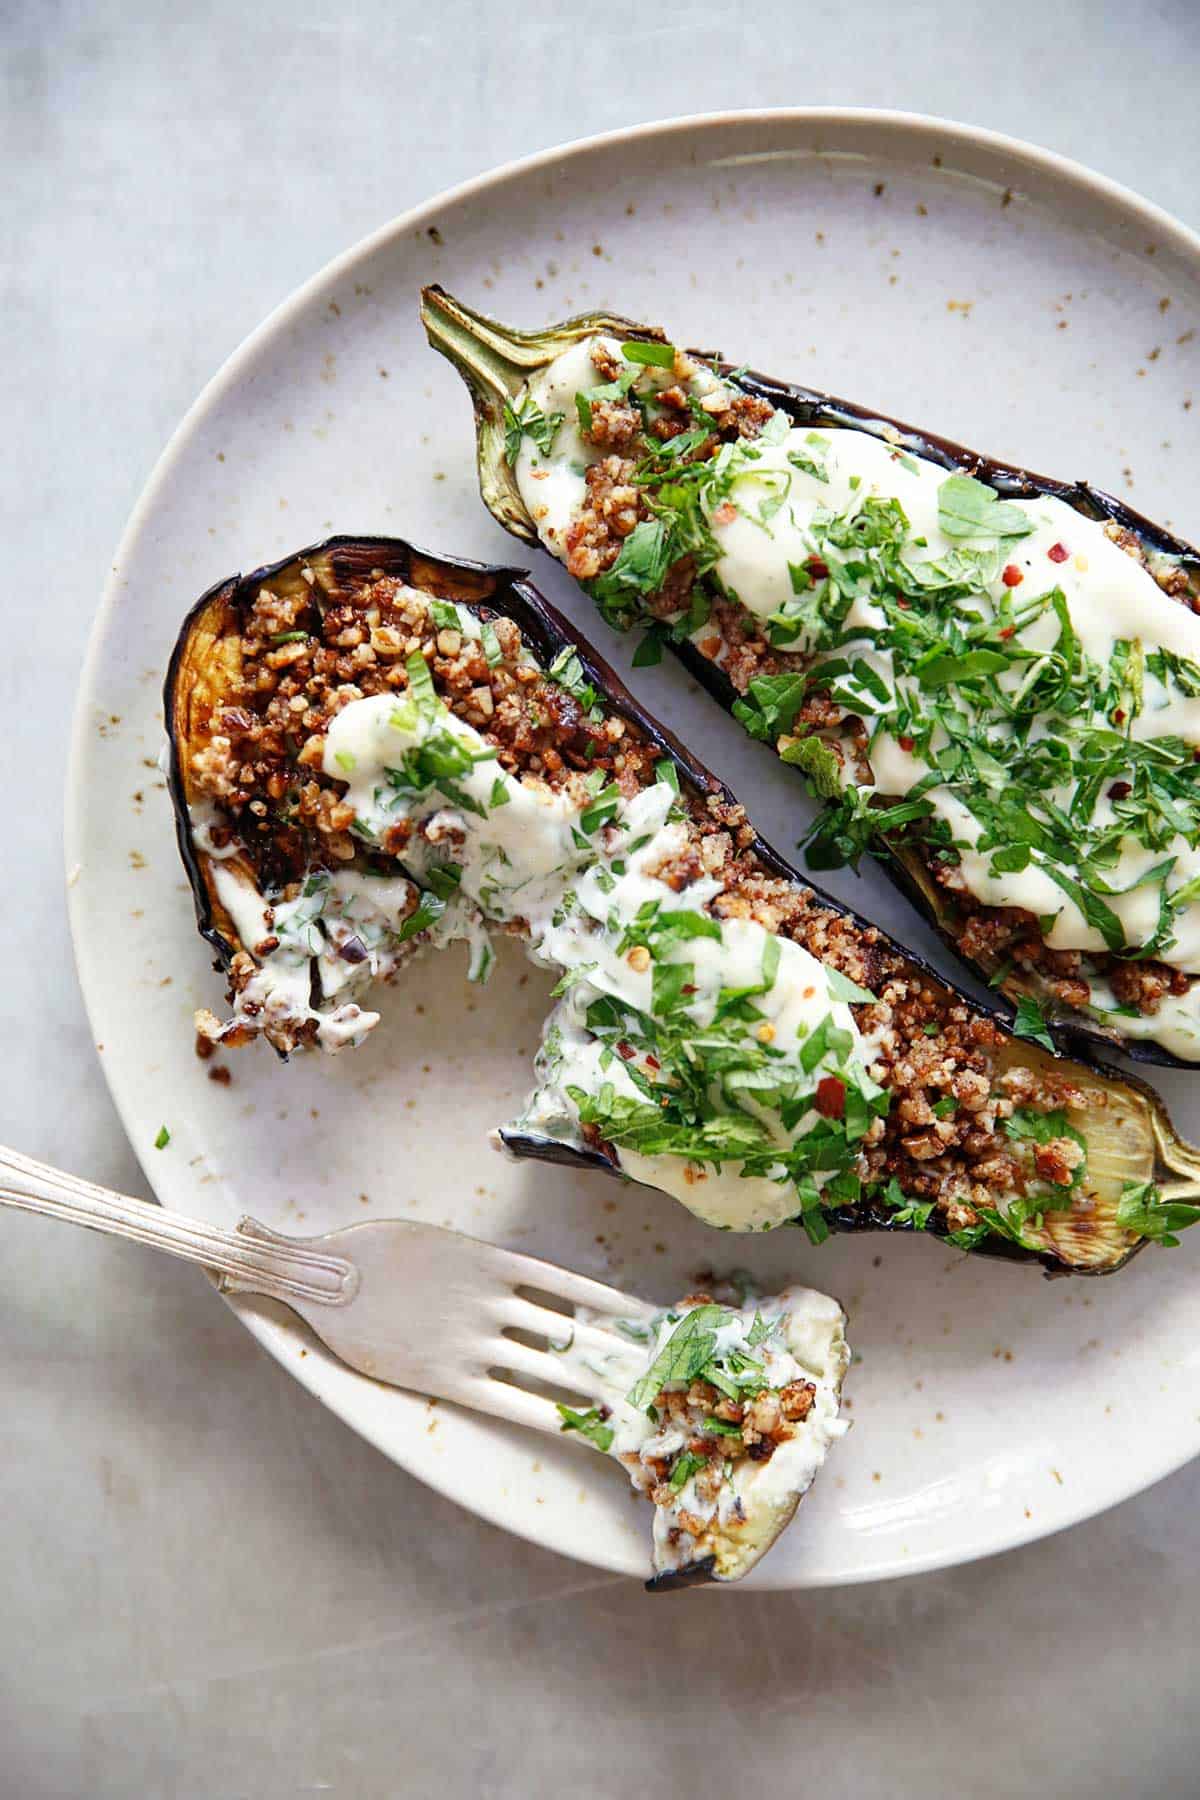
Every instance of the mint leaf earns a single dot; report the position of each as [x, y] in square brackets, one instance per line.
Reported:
[969, 508]
[640, 568]
[842, 988]
[1030, 1022]
[1142, 1209]
[649, 652]
[818, 762]
[684, 1354]
[527, 420]
[770, 704]
[654, 356]
[428, 911]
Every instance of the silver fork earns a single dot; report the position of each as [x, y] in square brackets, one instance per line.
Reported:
[409, 1304]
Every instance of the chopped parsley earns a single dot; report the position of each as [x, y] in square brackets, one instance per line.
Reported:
[1143, 1210]
[690, 1354]
[653, 356]
[1030, 1022]
[527, 420]
[588, 1424]
[640, 569]
[427, 912]
[566, 671]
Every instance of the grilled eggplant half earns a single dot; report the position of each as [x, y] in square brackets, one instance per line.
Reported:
[992, 679]
[373, 749]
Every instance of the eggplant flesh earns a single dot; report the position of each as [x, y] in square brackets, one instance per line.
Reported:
[1130, 1139]
[496, 361]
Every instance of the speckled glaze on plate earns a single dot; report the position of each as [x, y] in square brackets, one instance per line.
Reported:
[992, 292]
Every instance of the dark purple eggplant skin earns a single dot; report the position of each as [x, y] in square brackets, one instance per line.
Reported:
[499, 591]
[697, 1574]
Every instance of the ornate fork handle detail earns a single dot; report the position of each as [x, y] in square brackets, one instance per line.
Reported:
[251, 1260]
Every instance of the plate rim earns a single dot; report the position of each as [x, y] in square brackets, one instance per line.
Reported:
[907, 126]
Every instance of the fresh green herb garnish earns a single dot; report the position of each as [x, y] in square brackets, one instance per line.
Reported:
[842, 988]
[444, 614]
[649, 652]
[1030, 1022]
[686, 1465]
[566, 671]
[1143, 1210]
[968, 508]
[588, 1424]
[493, 654]
[640, 569]
[427, 912]
[444, 879]
[653, 356]
[527, 420]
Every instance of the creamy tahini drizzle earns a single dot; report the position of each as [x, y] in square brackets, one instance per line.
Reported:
[520, 856]
[338, 916]
[756, 1498]
[1110, 597]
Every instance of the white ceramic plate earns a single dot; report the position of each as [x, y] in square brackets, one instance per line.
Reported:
[989, 291]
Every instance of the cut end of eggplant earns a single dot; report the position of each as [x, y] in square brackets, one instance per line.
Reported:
[496, 363]
[697, 1574]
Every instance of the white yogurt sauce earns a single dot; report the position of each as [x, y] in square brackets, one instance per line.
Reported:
[339, 916]
[1110, 598]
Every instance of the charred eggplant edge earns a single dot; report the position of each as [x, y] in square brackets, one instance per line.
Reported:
[500, 590]
[502, 358]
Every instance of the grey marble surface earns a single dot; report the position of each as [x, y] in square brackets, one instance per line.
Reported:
[208, 1586]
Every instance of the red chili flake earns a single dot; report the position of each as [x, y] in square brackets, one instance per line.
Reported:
[1006, 631]
[907, 743]
[904, 605]
[725, 514]
[816, 567]
[688, 988]
[831, 1097]
[1119, 716]
[626, 1051]
[1058, 553]
[652, 1061]
[1012, 576]
[1120, 790]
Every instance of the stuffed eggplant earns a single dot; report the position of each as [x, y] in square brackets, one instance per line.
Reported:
[991, 679]
[721, 1410]
[373, 750]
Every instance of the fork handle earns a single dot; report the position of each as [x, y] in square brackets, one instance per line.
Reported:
[253, 1259]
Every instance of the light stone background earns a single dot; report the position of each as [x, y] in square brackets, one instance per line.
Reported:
[208, 1585]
